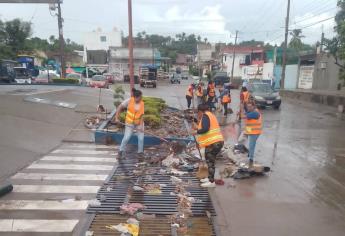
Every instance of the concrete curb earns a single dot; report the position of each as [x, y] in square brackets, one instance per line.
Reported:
[314, 97]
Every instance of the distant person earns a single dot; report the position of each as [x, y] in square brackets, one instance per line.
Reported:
[244, 98]
[225, 98]
[252, 131]
[211, 95]
[190, 95]
[134, 121]
[200, 93]
[209, 136]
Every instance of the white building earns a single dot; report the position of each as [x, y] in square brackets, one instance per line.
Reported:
[99, 40]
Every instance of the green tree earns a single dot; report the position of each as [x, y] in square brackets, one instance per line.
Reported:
[13, 35]
[336, 45]
[296, 40]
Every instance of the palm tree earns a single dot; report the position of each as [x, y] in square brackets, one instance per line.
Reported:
[296, 40]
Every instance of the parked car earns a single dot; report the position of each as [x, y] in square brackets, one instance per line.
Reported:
[184, 75]
[127, 80]
[264, 95]
[221, 78]
[110, 78]
[7, 73]
[175, 79]
[22, 75]
[44, 78]
[77, 76]
[99, 81]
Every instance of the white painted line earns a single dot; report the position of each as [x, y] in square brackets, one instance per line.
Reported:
[43, 205]
[44, 226]
[73, 151]
[44, 176]
[54, 189]
[71, 159]
[88, 146]
[69, 167]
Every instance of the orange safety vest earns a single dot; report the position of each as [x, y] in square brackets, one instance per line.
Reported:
[213, 135]
[190, 91]
[133, 116]
[246, 96]
[211, 91]
[226, 99]
[199, 92]
[254, 126]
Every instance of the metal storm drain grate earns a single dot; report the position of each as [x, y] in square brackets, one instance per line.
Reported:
[165, 203]
[159, 226]
[161, 205]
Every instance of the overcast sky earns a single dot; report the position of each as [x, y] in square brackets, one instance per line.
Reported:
[215, 19]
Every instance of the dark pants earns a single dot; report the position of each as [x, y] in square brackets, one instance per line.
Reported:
[225, 106]
[210, 103]
[189, 101]
[211, 153]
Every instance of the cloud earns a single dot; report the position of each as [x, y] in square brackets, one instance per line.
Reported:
[208, 22]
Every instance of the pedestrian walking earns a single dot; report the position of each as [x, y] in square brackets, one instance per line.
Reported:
[209, 136]
[200, 93]
[211, 95]
[134, 121]
[252, 130]
[225, 98]
[190, 95]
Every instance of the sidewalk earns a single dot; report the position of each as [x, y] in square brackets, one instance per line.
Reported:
[330, 98]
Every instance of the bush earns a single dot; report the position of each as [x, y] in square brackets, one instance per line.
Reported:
[152, 121]
[151, 111]
[153, 102]
[118, 95]
[66, 81]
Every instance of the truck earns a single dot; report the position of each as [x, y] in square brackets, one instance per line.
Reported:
[148, 76]
[7, 73]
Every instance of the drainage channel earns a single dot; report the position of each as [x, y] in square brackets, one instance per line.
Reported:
[118, 190]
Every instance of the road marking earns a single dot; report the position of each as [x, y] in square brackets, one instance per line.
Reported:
[86, 159]
[54, 189]
[69, 167]
[90, 146]
[23, 225]
[73, 151]
[44, 176]
[43, 205]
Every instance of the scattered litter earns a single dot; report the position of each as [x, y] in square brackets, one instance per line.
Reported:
[131, 208]
[94, 203]
[142, 216]
[219, 182]
[137, 188]
[103, 198]
[170, 161]
[109, 189]
[175, 180]
[89, 233]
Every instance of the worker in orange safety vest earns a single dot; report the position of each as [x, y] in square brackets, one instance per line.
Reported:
[134, 121]
[190, 95]
[252, 130]
[210, 138]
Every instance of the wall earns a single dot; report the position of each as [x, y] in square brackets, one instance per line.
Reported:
[92, 40]
[277, 76]
[326, 73]
[239, 59]
[291, 76]
[267, 72]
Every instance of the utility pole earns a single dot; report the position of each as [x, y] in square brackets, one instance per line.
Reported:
[61, 42]
[130, 45]
[233, 57]
[322, 40]
[287, 19]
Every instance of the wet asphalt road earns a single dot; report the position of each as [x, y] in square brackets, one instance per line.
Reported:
[304, 194]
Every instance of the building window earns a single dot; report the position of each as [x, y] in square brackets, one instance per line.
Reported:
[103, 39]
